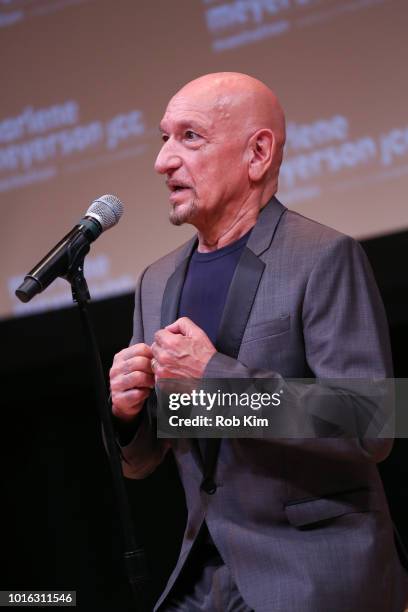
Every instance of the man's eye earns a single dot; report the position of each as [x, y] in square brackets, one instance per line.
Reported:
[190, 135]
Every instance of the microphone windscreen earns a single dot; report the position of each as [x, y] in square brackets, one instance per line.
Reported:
[106, 209]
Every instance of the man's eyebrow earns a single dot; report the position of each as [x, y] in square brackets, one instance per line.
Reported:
[182, 125]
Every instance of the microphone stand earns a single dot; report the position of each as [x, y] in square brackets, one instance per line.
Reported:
[133, 553]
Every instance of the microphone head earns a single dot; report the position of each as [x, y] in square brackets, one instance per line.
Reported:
[107, 210]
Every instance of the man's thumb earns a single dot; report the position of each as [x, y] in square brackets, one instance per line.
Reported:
[184, 326]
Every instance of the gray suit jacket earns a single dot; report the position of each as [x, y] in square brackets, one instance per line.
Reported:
[303, 525]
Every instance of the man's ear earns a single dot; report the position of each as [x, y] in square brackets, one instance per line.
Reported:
[262, 147]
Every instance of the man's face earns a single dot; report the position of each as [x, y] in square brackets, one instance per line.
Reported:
[204, 158]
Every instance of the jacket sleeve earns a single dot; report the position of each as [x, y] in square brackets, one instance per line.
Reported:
[145, 451]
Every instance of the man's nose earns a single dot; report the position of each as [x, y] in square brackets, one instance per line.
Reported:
[167, 159]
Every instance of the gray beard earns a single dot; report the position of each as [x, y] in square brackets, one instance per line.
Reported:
[179, 215]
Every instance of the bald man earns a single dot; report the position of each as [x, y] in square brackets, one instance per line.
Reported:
[260, 291]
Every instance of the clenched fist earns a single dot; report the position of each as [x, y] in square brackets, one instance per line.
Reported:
[131, 380]
[181, 350]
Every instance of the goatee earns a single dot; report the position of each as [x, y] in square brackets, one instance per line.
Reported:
[183, 213]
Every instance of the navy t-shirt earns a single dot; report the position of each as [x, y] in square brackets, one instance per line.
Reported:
[207, 283]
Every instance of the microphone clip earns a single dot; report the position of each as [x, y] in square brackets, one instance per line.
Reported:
[75, 274]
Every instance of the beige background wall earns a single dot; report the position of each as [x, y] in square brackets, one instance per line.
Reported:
[84, 85]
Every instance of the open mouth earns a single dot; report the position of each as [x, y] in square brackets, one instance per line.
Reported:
[177, 187]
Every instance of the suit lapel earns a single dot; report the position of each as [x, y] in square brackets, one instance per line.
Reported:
[238, 306]
[246, 279]
[174, 285]
[240, 298]
[170, 309]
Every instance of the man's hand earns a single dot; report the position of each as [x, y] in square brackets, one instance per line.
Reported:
[181, 350]
[131, 380]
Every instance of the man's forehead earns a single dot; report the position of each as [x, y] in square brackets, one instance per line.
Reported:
[206, 111]
[185, 117]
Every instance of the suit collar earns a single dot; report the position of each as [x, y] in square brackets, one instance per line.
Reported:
[174, 285]
[265, 227]
[186, 251]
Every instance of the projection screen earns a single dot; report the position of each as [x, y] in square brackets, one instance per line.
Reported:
[84, 84]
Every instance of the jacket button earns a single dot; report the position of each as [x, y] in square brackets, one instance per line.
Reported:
[208, 486]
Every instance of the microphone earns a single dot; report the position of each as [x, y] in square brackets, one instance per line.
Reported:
[103, 213]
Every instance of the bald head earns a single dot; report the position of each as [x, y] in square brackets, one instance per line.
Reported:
[223, 139]
[244, 102]
[234, 92]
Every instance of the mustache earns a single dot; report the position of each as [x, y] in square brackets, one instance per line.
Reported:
[174, 184]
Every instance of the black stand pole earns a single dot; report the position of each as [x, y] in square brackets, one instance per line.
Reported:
[133, 555]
